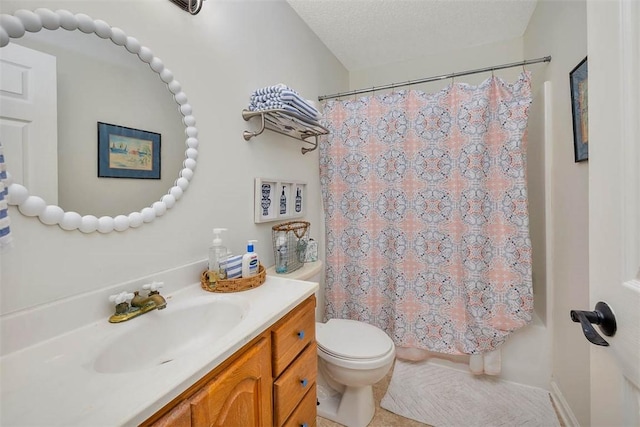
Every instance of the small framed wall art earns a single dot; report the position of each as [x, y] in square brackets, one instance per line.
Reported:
[279, 199]
[128, 153]
[580, 111]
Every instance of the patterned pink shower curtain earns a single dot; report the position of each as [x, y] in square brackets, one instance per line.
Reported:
[427, 225]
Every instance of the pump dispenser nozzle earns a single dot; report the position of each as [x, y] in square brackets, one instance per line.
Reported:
[217, 240]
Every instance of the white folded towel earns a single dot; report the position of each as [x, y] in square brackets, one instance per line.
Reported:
[489, 363]
[476, 364]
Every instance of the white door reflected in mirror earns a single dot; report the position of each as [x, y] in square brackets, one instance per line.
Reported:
[15, 26]
[28, 129]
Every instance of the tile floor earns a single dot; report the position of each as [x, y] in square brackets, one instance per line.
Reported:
[382, 417]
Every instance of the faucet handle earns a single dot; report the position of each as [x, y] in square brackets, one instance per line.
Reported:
[153, 286]
[121, 297]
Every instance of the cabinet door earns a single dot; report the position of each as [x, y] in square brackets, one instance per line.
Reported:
[180, 416]
[240, 395]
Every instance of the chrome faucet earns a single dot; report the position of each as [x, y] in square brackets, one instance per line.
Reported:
[130, 305]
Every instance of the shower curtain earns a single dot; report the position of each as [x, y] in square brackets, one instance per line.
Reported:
[425, 200]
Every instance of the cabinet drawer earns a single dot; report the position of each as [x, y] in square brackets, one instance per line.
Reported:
[294, 383]
[293, 335]
[306, 412]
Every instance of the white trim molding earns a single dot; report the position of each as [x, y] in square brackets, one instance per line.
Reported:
[563, 409]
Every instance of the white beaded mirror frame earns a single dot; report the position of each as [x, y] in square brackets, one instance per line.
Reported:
[15, 26]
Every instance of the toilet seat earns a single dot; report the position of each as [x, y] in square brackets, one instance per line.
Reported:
[353, 343]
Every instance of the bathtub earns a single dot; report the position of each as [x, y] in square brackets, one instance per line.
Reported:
[526, 356]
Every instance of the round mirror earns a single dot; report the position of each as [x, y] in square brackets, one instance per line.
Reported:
[137, 146]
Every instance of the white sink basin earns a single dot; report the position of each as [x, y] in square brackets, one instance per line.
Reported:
[161, 336]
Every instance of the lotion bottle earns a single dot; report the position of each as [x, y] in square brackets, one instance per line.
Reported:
[250, 261]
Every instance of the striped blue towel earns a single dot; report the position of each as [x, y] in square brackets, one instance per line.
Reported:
[233, 266]
[286, 107]
[282, 97]
[289, 97]
[272, 89]
[5, 231]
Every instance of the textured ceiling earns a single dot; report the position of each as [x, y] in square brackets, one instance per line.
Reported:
[369, 33]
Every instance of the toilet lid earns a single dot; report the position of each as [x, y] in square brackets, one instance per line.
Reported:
[352, 339]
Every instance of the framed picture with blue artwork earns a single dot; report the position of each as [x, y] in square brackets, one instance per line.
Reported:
[277, 199]
[128, 153]
[580, 110]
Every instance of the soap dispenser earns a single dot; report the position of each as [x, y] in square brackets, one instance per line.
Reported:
[250, 263]
[216, 253]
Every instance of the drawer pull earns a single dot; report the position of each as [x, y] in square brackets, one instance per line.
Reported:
[301, 335]
[304, 382]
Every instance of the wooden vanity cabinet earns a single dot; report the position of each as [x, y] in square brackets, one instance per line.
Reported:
[270, 381]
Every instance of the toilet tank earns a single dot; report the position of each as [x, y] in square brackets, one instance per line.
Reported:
[311, 272]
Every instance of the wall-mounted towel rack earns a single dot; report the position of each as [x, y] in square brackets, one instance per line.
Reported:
[286, 123]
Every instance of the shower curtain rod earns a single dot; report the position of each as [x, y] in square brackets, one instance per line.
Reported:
[432, 79]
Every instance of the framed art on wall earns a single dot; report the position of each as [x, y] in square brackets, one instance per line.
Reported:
[279, 199]
[580, 111]
[128, 153]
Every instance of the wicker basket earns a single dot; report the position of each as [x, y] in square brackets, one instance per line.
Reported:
[296, 238]
[233, 285]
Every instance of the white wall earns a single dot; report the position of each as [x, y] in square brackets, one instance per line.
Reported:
[559, 28]
[443, 63]
[219, 57]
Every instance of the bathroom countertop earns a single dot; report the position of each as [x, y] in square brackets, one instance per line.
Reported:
[307, 271]
[54, 383]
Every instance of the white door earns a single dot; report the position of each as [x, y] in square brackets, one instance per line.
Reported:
[614, 205]
[29, 119]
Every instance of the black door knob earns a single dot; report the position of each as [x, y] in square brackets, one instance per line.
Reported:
[601, 316]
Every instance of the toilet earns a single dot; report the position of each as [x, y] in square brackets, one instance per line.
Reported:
[352, 357]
